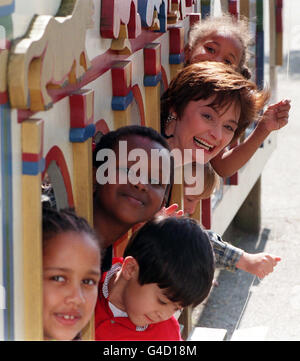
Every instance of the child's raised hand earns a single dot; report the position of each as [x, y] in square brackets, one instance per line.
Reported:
[258, 264]
[276, 115]
[170, 211]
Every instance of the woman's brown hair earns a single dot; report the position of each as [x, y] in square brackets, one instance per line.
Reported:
[205, 79]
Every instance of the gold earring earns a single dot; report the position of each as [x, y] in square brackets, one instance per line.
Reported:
[170, 118]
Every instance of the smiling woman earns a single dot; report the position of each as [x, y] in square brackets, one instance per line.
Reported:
[207, 106]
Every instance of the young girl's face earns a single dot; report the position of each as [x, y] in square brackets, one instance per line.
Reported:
[128, 203]
[204, 128]
[190, 204]
[71, 273]
[219, 47]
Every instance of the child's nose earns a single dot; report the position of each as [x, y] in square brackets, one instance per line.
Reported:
[141, 186]
[75, 295]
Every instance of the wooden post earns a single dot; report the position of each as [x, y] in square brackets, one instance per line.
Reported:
[32, 144]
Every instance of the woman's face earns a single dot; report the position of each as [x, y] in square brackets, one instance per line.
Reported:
[202, 127]
[219, 47]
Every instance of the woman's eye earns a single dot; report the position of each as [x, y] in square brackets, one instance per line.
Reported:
[228, 62]
[210, 49]
[207, 116]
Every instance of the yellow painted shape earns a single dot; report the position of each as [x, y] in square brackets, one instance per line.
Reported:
[32, 257]
[152, 114]
[32, 135]
[197, 214]
[174, 69]
[244, 8]
[83, 198]
[122, 117]
[89, 104]
[279, 49]
[3, 70]
[83, 182]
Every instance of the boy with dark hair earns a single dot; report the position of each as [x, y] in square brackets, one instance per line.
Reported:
[168, 264]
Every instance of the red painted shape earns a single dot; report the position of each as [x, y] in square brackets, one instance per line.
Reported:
[189, 3]
[114, 13]
[3, 98]
[78, 109]
[56, 155]
[194, 18]
[121, 73]
[101, 126]
[152, 59]
[233, 7]
[139, 100]
[176, 39]
[279, 23]
[206, 213]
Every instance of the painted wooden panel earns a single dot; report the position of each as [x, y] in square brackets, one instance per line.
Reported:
[105, 65]
[34, 64]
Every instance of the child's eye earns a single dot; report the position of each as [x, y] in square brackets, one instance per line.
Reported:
[229, 127]
[89, 282]
[162, 302]
[58, 278]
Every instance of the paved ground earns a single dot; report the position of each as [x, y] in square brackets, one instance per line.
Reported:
[268, 309]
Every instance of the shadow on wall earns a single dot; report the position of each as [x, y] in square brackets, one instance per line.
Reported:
[226, 303]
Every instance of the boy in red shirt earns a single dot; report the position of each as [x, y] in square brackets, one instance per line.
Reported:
[168, 264]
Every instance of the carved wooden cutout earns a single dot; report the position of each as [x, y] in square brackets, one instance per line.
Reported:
[51, 53]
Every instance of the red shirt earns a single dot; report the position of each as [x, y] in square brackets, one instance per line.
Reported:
[111, 328]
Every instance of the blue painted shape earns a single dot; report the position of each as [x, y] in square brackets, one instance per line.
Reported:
[205, 8]
[176, 58]
[152, 80]
[7, 9]
[80, 135]
[7, 219]
[33, 168]
[162, 14]
[121, 103]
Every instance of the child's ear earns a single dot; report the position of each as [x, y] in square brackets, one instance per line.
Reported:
[130, 268]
